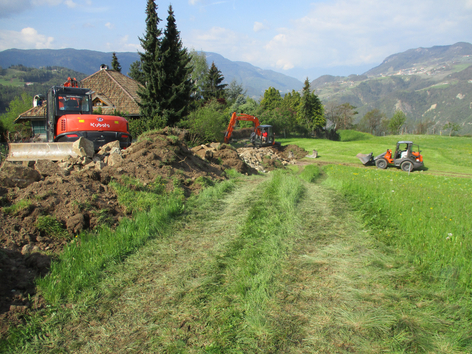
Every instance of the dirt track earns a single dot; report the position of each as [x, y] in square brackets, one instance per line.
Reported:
[79, 198]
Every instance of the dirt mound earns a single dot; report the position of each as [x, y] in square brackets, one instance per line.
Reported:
[224, 155]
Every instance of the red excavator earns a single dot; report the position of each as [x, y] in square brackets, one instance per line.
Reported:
[69, 116]
[261, 136]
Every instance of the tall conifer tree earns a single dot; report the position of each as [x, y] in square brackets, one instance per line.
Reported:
[213, 87]
[115, 64]
[310, 110]
[177, 83]
[153, 74]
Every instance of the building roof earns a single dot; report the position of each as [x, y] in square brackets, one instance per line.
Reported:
[38, 112]
[112, 89]
[112, 86]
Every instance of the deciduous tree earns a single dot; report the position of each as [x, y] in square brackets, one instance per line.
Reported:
[371, 121]
[15, 108]
[396, 122]
[199, 66]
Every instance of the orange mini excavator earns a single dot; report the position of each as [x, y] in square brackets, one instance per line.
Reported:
[261, 136]
[69, 116]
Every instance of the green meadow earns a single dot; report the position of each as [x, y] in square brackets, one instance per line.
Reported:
[442, 154]
[328, 256]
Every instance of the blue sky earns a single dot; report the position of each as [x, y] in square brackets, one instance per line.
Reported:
[299, 38]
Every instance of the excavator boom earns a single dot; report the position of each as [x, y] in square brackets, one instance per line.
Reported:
[234, 118]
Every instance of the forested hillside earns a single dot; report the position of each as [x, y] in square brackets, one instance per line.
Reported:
[18, 79]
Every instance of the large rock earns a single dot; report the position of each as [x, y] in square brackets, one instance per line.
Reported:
[115, 157]
[83, 147]
[107, 148]
[13, 175]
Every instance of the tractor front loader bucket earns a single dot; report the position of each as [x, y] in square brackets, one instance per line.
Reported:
[366, 158]
[40, 151]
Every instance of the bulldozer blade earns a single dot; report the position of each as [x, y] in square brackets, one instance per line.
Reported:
[40, 151]
[365, 158]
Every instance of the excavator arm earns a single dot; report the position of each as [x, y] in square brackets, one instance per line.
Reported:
[234, 118]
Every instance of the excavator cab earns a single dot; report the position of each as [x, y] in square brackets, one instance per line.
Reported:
[263, 136]
[64, 100]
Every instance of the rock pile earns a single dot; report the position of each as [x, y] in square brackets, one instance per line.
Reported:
[265, 159]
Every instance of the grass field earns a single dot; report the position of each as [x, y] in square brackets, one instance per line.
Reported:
[442, 154]
[329, 257]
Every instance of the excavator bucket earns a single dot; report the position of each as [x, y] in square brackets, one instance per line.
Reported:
[40, 151]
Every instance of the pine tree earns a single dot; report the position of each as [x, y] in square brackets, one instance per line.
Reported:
[310, 110]
[213, 87]
[115, 64]
[177, 83]
[136, 73]
[153, 74]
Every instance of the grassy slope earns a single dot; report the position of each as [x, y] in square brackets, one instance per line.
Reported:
[278, 265]
[441, 154]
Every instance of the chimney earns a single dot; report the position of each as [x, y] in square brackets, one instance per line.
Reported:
[103, 67]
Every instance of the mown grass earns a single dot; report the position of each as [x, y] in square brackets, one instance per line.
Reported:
[440, 153]
[430, 216]
[281, 267]
[239, 302]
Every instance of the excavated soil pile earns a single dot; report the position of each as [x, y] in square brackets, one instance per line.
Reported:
[76, 193]
[250, 160]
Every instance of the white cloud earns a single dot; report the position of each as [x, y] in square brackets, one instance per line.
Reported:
[70, 3]
[27, 38]
[365, 31]
[109, 25]
[259, 26]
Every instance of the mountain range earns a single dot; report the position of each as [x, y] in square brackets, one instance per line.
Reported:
[253, 79]
[432, 86]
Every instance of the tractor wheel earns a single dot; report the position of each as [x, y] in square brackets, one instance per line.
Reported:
[381, 163]
[407, 166]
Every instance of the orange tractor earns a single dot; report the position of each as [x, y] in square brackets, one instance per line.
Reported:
[407, 157]
[261, 136]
